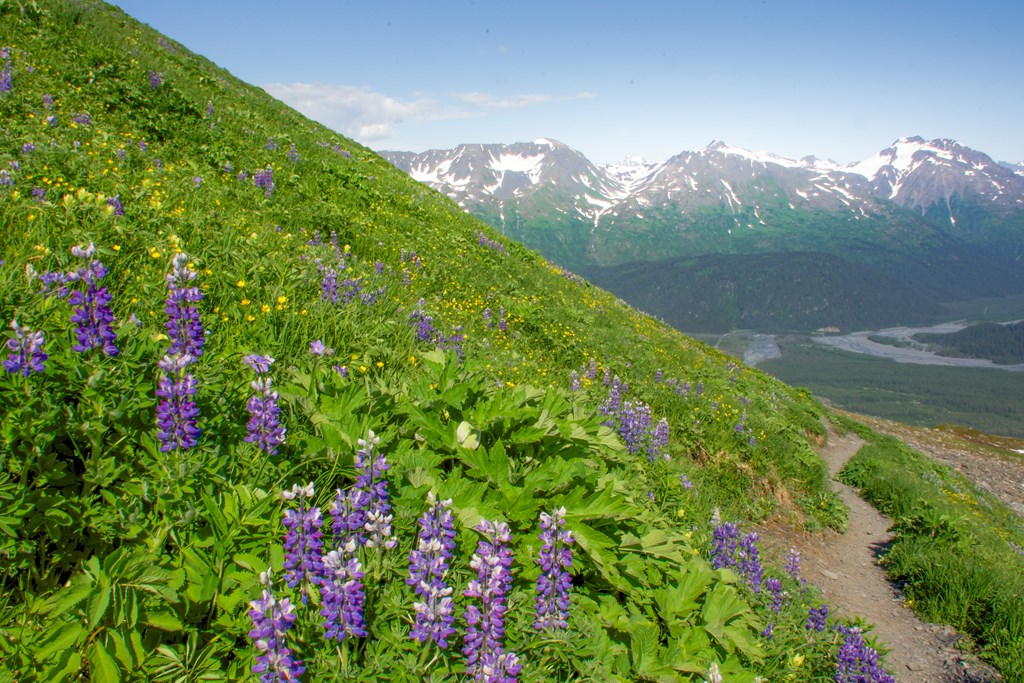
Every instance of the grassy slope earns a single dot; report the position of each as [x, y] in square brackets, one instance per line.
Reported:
[125, 561]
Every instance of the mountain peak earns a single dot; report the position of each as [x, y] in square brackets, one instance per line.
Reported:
[550, 142]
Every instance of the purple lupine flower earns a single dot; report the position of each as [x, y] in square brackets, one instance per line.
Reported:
[259, 364]
[115, 204]
[264, 427]
[343, 596]
[554, 582]
[748, 562]
[142, 145]
[341, 583]
[857, 662]
[574, 380]
[271, 619]
[39, 194]
[27, 355]
[486, 659]
[271, 145]
[264, 179]
[453, 342]
[28, 148]
[5, 177]
[197, 181]
[502, 325]
[293, 154]
[685, 481]
[371, 468]
[318, 348]
[303, 540]
[92, 315]
[723, 545]
[378, 267]
[348, 519]
[659, 440]
[792, 566]
[183, 326]
[773, 587]
[487, 318]
[769, 631]
[83, 119]
[51, 121]
[634, 424]
[592, 370]
[48, 101]
[428, 574]
[658, 376]
[176, 413]
[613, 404]
[424, 323]
[328, 283]
[155, 79]
[370, 298]
[816, 618]
[121, 154]
[6, 82]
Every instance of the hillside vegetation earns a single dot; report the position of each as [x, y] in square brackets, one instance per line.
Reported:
[166, 231]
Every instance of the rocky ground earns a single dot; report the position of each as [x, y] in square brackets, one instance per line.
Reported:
[845, 568]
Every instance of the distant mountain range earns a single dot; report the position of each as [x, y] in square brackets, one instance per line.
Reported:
[935, 220]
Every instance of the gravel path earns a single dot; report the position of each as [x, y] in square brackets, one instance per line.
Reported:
[844, 567]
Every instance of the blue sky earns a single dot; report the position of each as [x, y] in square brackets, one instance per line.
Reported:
[839, 80]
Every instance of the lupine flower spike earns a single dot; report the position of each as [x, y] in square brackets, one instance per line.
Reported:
[486, 659]
[91, 315]
[428, 574]
[303, 543]
[264, 428]
[271, 619]
[27, 355]
[857, 662]
[554, 582]
[176, 414]
[371, 468]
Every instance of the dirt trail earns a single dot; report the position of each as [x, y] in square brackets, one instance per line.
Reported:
[844, 567]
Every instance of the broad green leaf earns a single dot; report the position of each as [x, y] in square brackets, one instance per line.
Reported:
[99, 600]
[102, 667]
[163, 620]
[643, 642]
[468, 436]
[62, 637]
[121, 652]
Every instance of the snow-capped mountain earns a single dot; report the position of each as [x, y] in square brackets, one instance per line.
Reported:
[911, 172]
[724, 198]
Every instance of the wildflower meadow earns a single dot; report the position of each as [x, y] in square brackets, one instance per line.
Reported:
[270, 410]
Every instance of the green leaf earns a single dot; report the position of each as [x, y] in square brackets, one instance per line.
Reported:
[101, 665]
[467, 435]
[644, 645]
[121, 651]
[596, 546]
[99, 600]
[163, 620]
[62, 637]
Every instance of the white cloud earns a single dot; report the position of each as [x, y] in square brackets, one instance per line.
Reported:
[357, 111]
[487, 101]
[370, 117]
